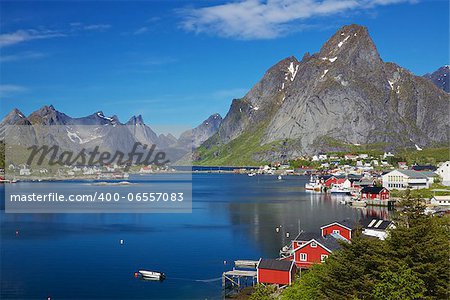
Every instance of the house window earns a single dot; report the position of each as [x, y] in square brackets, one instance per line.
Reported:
[303, 257]
[337, 231]
[313, 244]
[323, 257]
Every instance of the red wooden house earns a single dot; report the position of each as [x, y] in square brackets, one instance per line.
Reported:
[343, 228]
[273, 271]
[329, 181]
[315, 251]
[375, 192]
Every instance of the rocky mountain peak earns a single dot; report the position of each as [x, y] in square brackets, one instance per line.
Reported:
[440, 78]
[136, 120]
[351, 45]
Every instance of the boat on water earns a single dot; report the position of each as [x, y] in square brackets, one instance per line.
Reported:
[339, 190]
[279, 177]
[359, 203]
[152, 275]
[251, 174]
[313, 184]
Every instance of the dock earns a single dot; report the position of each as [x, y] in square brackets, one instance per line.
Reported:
[250, 264]
[244, 274]
[238, 278]
[375, 202]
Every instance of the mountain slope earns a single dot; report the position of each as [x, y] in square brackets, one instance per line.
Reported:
[345, 94]
[440, 78]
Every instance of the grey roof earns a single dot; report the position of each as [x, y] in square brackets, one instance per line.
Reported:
[331, 242]
[347, 223]
[412, 173]
[275, 264]
[372, 224]
[307, 236]
[372, 189]
[429, 173]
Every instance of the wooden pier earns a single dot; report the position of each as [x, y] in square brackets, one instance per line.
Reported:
[250, 264]
[375, 202]
[238, 279]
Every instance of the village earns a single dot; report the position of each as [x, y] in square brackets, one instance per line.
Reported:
[305, 250]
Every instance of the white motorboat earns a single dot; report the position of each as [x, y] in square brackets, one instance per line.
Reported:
[251, 174]
[339, 190]
[313, 185]
[152, 275]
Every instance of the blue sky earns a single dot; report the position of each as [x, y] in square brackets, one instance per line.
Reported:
[177, 62]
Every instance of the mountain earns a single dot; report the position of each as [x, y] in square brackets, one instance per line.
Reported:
[99, 130]
[440, 78]
[343, 95]
[202, 132]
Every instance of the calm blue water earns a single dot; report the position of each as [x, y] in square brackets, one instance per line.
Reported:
[78, 256]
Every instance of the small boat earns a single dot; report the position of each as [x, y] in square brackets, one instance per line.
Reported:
[313, 185]
[151, 275]
[279, 177]
[359, 203]
[251, 174]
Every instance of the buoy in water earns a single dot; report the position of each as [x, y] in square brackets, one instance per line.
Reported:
[287, 234]
[224, 262]
[136, 274]
[277, 229]
[17, 232]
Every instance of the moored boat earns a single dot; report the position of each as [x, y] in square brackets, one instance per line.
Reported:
[152, 275]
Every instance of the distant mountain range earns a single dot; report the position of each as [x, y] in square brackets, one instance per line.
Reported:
[100, 130]
[343, 95]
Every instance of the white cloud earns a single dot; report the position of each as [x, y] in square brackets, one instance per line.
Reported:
[140, 30]
[24, 35]
[8, 89]
[266, 19]
[97, 27]
[21, 56]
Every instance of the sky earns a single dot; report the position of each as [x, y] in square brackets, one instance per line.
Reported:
[177, 62]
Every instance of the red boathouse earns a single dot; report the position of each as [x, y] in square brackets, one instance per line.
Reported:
[375, 192]
[273, 271]
[343, 228]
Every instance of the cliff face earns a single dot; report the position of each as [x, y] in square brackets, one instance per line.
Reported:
[344, 93]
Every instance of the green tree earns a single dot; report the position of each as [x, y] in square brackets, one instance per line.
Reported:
[399, 285]
[263, 292]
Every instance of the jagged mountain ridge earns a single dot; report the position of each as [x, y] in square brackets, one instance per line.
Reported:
[96, 129]
[440, 78]
[344, 93]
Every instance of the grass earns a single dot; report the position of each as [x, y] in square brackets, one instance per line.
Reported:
[239, 152]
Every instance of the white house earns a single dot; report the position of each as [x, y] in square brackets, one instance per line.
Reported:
[377, 228]
[440, 200]
[406, 179]
[25, 172]
[444, 172]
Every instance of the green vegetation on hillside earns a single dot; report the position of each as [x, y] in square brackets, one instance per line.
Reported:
[412, 263]
[238, 152]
